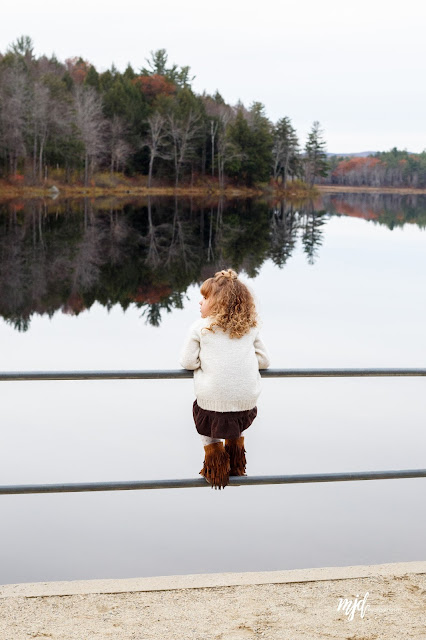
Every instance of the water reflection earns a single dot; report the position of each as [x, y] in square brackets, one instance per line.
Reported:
[361, 304]
[390, 209]
[71, 254]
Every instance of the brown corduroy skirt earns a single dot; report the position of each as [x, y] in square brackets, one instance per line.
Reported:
[222, 424]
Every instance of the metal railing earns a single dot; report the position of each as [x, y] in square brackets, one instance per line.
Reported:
[9, 376]
[200, 482]
[190, 483]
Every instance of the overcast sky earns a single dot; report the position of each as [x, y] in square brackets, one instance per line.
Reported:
[358, 68]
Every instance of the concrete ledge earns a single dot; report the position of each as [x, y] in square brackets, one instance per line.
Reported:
[202, 581]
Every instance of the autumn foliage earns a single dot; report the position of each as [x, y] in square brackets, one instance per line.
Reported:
[78, 69]
[355, 165]
[392, 168]
[155, 85]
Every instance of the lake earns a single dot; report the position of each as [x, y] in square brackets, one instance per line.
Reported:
[85, 285]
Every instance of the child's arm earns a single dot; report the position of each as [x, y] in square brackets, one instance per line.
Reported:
[261, 353]
[190, 354]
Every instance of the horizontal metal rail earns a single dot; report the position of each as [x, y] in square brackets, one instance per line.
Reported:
[199, 482]
[8, 376]
[190, 483]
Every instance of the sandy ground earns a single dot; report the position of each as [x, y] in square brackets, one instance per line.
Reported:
[288, 611]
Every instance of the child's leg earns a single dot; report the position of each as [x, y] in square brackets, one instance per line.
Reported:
[207, 440]
[235, 448]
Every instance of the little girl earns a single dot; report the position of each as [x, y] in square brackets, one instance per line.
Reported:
[225, 351]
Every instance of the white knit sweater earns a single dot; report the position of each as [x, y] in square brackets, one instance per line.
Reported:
[226, 370]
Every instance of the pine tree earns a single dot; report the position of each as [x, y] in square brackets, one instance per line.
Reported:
[315, 160]
[251, 135]
[285, 150]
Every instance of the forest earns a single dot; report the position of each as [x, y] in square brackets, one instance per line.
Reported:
[66, 120]
[67, 123]
[392, 168]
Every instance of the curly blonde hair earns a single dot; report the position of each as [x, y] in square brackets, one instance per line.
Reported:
[232, 305]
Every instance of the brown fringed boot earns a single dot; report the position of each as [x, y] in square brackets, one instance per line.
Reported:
[237, 457]
[216, 465]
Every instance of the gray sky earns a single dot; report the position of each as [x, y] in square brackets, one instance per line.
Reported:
[358, 68]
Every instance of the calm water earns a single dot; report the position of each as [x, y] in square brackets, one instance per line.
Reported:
[339, 283]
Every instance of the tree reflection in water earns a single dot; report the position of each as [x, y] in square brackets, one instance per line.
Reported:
[71, 254]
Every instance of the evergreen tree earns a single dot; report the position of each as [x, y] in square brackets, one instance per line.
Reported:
[251, 134]
[285, 151]
[315, 160]
[23, 51]
[218, 98]
[157, 66]
[92, 78]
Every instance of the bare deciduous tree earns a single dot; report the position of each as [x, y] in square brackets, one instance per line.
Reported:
[40, 117]
[13, 111]
[119, 148]
[91, 126]
[156, 141]
[183, 133]
[226, 150]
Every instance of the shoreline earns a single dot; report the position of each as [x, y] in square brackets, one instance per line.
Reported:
[28, 192]
[208, 580]
[295, 605]
[403, 191]
[10, 192]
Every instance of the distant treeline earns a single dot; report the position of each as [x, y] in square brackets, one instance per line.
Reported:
[66, 119]
[385, 169]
